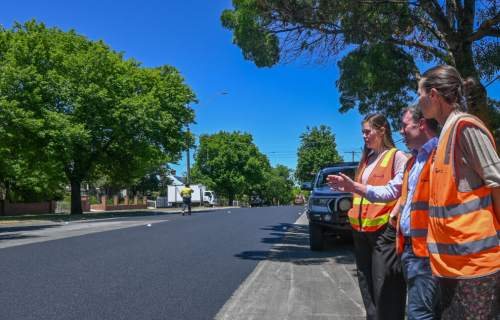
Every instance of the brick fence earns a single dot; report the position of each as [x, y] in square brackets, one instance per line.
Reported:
[104, 206]
[18, 209]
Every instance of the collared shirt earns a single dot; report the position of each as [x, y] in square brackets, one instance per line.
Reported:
[392, 190]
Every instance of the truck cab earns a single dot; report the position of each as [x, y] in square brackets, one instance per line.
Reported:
[327, 209]
[209, 199]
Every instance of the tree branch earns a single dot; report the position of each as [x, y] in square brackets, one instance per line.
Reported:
[432, 8]
[404, 2]
[485, 28]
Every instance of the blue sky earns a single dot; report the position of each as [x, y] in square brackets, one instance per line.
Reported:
[274, 105]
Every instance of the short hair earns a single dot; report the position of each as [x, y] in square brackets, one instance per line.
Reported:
[416, 114]
[187, 184]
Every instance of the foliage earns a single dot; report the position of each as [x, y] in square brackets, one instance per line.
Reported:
[229, 164]
[84, 110]
[317, 146]
[277, 184]
[383, 40]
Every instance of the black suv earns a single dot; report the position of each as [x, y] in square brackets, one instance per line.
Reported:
[326, 209]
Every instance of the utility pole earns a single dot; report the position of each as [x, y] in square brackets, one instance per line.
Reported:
[353, 152]
[187, 153]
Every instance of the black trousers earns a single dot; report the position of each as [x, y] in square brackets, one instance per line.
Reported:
[381, 279]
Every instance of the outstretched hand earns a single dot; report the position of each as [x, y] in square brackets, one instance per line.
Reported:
[340, 183]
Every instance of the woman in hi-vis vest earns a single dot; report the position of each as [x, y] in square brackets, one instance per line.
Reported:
[381, 280]
[464, 202]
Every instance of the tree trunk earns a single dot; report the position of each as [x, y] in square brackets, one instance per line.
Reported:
[76, 198]
[477, 103]
[477, 96]
[231, 198]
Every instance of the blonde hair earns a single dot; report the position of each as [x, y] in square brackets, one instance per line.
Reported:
[377, 122]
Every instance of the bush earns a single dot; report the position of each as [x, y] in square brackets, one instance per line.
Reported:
[94, 200]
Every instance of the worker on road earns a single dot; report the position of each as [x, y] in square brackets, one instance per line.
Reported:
[186, 198]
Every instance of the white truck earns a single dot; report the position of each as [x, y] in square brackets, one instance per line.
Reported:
[208, 198]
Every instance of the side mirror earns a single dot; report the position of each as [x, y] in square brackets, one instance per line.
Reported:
[306, 186]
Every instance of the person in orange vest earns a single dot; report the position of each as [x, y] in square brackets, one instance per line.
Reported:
[464, 205]
[412, 185]
[381, 281]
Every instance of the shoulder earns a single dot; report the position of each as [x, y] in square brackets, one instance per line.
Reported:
[399, 160]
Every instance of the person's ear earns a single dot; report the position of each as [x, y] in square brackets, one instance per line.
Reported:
[433, 94]
[382, 130]
[421, 123]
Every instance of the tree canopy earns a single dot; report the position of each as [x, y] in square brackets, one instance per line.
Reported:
[317, 146]
[378, 45]
[229, 163]
[80, 108]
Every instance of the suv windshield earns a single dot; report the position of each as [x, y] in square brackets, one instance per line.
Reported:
[255, 197]
[322, 182]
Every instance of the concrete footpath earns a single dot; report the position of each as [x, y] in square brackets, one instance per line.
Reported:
[296, 283]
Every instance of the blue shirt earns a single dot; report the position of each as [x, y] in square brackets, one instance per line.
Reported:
[392, 190]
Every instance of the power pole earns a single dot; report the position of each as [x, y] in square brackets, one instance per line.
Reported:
[353, 152]
[188, 164]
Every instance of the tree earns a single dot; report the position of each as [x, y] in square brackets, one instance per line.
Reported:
[278, 184]
[384, 41]
[89, 110]
[229, 163]
[317, 146]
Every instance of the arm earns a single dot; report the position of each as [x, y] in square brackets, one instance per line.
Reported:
[495, 194]
[386, 194]
[393, 217]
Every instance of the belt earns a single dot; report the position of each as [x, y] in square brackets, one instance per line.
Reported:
[407, 240]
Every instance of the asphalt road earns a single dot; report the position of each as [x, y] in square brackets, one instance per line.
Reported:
[121, 268]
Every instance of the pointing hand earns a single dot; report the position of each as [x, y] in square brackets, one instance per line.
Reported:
[340, 182]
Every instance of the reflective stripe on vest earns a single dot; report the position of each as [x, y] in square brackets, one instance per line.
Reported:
[367, 216]
[464, 234]
[419, 208]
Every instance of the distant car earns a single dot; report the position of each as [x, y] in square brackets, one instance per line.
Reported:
[255, 201]
[326, 209]
[299, 200]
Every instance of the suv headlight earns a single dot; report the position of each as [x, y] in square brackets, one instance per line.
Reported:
[320, 202]
[344, 205]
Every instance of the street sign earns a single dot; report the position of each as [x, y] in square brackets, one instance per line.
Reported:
[200, 185]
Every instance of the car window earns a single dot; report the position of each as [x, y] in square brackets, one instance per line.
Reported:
[322, 182]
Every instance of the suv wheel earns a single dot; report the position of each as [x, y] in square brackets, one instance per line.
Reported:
[316, 237]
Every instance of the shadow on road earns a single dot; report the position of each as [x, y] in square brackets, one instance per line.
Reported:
[292, 245]
[15, 233]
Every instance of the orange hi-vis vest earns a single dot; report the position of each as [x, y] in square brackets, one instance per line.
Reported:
[464, 233]
[419, 208]
[369, 216]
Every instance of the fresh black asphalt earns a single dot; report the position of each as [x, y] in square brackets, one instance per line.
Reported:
[184, 268]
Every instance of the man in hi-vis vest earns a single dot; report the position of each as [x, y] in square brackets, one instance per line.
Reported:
[412, 185]
[186, 198]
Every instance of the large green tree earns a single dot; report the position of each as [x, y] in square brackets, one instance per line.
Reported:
[317, 146]
[229, 164]
[278, 184]
[380, 43]
[91, 111]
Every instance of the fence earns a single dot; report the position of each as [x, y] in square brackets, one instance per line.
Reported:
[162, 202]
[151, 204]
[63, 206]
[236, 203]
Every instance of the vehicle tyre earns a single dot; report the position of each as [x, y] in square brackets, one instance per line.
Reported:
[316, 237]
